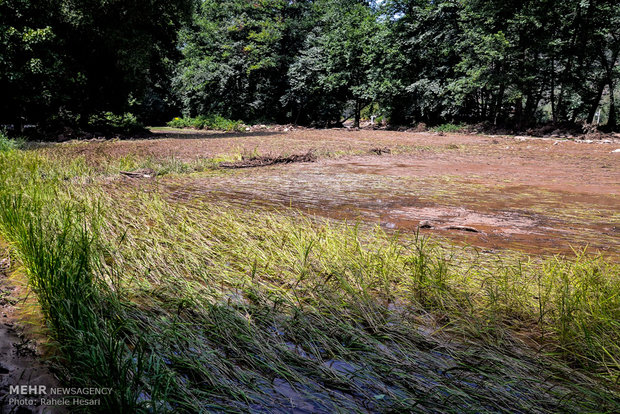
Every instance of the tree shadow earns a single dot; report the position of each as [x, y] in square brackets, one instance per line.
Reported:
[208, 134]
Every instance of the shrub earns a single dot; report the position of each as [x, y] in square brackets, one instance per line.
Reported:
[214, 122]
[110, 122]
[8, 144]
[449, 128]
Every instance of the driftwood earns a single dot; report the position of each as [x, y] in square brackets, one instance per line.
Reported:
[463, 228]
[381, 151]
[425, 224]
[267, 160]
[141, 173]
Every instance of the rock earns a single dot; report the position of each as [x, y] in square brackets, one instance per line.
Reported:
[425, 224]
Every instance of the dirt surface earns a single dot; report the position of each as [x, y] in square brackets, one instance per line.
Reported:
[20, 359]
[529, 194]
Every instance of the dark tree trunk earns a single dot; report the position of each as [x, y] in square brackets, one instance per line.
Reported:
[595, 102]
[609, 80]
[612, 122]
[554, 114]
[519, 113]
[358, 110]
[498, 103]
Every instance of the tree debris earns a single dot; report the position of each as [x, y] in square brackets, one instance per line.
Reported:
[262, 161]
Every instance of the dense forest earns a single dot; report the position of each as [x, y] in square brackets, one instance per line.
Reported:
[516, 63]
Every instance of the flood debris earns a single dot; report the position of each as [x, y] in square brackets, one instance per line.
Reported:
[263, 161]
[381, 151]
[141, 173]
[462, 228]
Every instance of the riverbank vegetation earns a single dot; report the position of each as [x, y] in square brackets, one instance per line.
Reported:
[498, 64]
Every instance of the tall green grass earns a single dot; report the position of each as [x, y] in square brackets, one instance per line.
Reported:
[57, 241]
[198, 306]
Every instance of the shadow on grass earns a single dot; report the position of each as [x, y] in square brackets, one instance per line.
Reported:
[157, 133]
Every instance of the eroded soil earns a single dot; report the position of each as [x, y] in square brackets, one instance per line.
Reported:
[533, 195]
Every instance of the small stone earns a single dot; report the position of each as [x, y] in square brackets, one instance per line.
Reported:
[425, 224]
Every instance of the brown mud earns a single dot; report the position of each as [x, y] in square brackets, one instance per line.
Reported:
[20, 358]
[528, 194]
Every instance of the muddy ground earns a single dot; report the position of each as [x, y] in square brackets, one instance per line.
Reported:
[21, 359]
[496, 192]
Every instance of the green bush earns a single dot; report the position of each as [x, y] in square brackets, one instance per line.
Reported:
[110, 122]
[449, 128]
[215, 122]
[8, 144]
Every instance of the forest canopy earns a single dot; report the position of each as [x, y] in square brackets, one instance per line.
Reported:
[509, 63]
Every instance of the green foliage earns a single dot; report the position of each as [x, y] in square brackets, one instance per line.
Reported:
[110, 122]
[235, 57]
[61, 56]
[215, 122]
[449, 128]
[310, 62]
[8, 144]
[331, 75]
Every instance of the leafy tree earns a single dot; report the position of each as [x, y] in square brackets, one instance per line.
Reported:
[336, 62]
[420, 61]
[61, 57]
[29, 72]
[236, 55]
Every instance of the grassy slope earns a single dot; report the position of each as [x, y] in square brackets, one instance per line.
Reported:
[207, 307]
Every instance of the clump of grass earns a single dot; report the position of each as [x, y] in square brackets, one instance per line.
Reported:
[214, 122]
[57, 242]
[449, 128]
[8, 144]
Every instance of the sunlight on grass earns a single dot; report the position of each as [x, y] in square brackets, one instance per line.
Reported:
[209, 307]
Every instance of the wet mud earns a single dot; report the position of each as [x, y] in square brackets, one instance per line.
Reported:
[20, 359]
[510, 201]
[533, 195]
